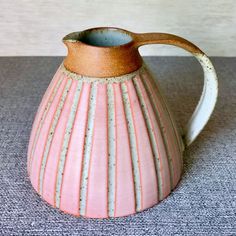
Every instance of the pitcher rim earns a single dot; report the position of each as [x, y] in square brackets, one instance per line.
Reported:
[68, 37]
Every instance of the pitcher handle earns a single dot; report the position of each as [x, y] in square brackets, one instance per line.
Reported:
[208, 98]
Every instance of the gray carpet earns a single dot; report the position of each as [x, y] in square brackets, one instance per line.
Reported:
[204, 202]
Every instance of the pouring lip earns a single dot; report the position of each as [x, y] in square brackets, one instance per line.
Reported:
[74, 37]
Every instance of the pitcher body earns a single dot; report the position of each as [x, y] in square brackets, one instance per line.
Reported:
[104, 142]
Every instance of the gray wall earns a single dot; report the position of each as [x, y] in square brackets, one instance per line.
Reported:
[36, 27]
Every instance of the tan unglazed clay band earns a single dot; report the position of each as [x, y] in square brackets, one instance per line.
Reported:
[101, 61]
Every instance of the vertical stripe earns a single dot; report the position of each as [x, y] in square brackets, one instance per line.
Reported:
[70, 189]
[152, 137]
[42, 120]
[178, 140]
[50, 173]
[66, 140]
[39, 114]
[112, 150]
[175, 152]
[87, 149]
[43, 136]
[51, 133]
[125, 191]
[97, 186]
[154, 141]
[42, 106]
[167, 136]
[147, 171]
[133, 146]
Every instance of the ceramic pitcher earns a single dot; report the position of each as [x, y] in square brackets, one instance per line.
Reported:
[104, 142]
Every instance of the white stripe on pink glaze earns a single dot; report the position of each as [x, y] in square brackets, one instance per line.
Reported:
[124, 193]
[97, 196]
[87, 149]
[133, 148]
[40, 110]
[43, 136]
[43, 104]
[70, 190]
[169, 136]
[66, 141]
[111, 150]
[51, 133]
[156, 139]
[176, 131]
[49, 169]
[41, 114]
[170, 114]
[165, 103]
[148, 178]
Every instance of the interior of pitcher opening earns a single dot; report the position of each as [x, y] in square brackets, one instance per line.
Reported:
[104, 37]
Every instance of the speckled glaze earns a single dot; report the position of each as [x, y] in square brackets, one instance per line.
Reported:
[108, 146]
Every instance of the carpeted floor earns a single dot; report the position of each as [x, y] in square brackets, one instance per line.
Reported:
[204, 202]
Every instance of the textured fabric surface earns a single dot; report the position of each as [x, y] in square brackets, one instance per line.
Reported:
[204, 202]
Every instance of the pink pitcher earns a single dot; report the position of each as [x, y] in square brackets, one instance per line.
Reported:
[104, 142]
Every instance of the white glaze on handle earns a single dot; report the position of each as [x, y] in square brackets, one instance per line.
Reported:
[207, 101]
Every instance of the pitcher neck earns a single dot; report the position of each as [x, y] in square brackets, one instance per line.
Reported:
[102, 52]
